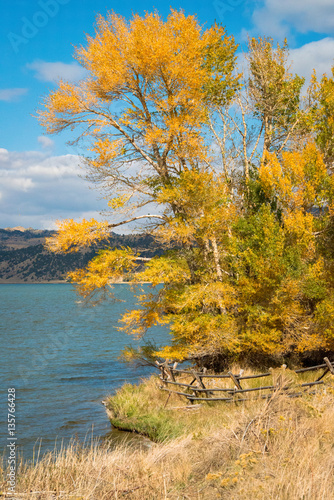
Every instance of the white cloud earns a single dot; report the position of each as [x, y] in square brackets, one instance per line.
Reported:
[18, 184]
[55, 71]
[45, 142]
[3, 154]
[10, 95]
[37, 189]
[56, 167]
[277, 17]
[315, 55]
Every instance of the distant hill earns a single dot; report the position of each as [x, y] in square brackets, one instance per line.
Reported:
[23, 258]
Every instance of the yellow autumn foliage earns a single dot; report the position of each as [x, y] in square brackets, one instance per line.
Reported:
[72, 235]
[250, 273]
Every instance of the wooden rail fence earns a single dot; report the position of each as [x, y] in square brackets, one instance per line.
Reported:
[198, 391]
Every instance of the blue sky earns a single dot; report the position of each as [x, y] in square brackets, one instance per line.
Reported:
[40, 175]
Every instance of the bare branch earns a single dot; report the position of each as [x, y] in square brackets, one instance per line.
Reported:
[221, 144]
[289, 135]
[118, 127]
[148, 216]
[244, 143]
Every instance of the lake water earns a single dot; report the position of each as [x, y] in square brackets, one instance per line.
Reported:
[61, 357]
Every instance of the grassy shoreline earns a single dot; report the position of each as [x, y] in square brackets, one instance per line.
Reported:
[276, 449]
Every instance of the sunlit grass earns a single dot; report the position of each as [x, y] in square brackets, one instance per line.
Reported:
[263, 449]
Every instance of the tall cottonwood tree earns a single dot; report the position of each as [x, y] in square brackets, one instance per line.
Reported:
[267, 114]
[274, 92]
[321, 95]
[143, 105]
[161, 98]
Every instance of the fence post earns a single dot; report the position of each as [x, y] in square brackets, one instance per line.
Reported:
[235, 380]
[329, 365]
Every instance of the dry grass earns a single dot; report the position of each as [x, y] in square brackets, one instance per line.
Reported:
[277, 449]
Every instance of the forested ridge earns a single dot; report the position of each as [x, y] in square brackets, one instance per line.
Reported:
[23, 257]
